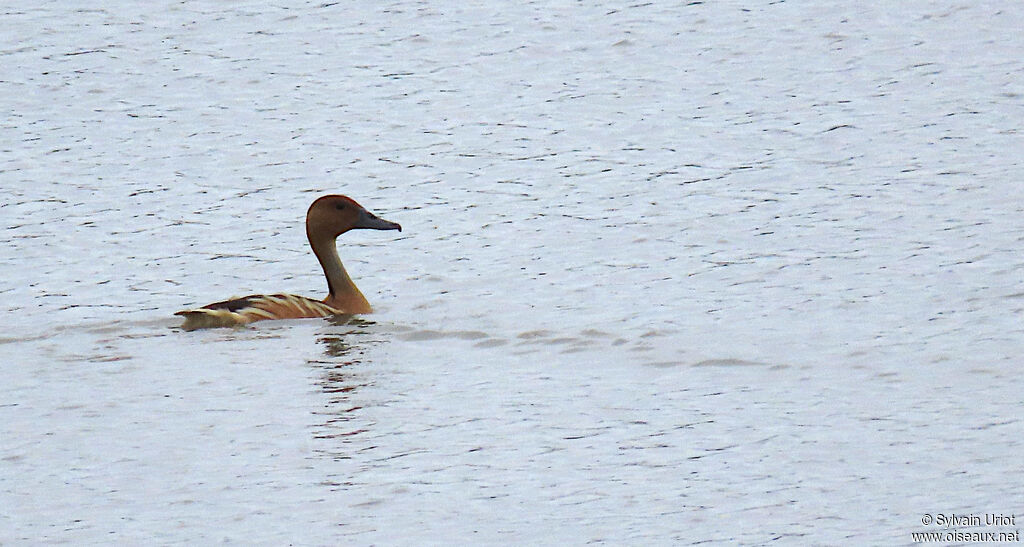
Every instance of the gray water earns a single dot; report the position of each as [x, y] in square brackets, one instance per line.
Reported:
[723, 272]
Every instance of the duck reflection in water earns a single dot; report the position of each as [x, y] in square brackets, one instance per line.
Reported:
[341, 376]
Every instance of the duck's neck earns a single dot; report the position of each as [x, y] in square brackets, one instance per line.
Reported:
[344, 295]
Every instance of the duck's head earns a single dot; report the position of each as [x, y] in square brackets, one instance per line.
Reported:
[334, 215]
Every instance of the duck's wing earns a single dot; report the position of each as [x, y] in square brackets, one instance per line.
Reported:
[256, 307]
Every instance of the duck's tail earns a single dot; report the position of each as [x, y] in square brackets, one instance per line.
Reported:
[203, 318]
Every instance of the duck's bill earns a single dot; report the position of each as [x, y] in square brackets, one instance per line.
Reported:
[373, 222]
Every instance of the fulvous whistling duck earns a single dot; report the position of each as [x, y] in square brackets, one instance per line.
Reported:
[328, 217]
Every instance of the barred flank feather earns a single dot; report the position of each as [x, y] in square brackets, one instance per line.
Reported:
[239, 311]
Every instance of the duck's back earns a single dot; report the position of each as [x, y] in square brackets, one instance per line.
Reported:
[256, 307]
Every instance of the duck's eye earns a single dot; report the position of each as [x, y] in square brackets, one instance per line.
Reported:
[340, 206]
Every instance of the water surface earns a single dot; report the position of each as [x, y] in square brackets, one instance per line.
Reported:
[716, 272]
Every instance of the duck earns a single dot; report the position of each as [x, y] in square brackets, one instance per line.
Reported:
[328, 217]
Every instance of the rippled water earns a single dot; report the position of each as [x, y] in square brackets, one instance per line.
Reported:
[713, 272]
